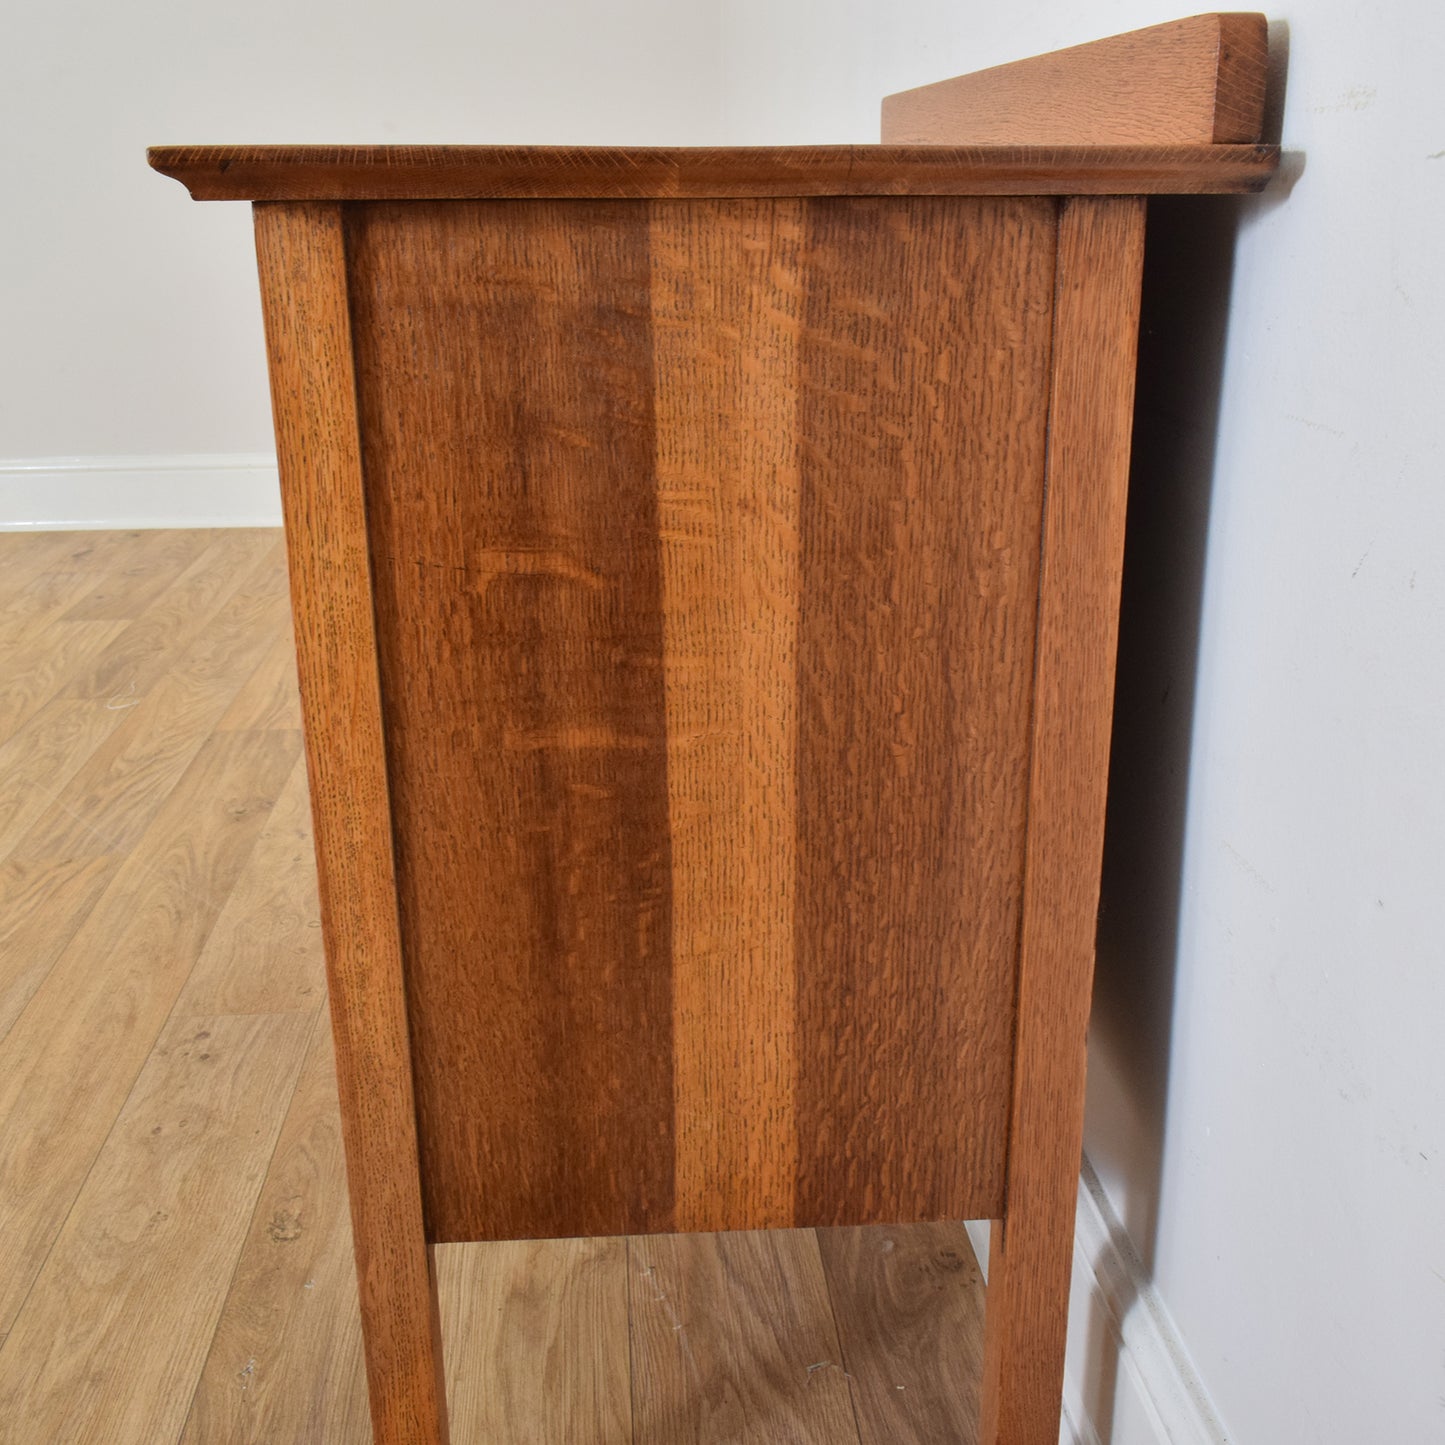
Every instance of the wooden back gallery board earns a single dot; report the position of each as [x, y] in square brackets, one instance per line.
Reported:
[706, 566]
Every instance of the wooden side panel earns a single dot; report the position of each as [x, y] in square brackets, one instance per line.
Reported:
[1198, 81]
[705, 538]
[300, 249]
[505, 381]
[925, 358]
[727, 316]
[1096, 336]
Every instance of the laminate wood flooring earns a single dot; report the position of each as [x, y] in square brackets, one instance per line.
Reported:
[175, 1248]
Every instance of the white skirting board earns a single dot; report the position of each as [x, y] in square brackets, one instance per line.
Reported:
[1128, 1379]
[51, 494]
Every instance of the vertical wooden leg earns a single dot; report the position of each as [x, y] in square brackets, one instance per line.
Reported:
[1100, 256]
[1025, 1324]
[301, 251]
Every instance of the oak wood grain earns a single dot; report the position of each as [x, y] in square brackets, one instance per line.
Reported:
[285, 1362]
[536, 1341]
[519, 627]
[922, 417]
[727, 312]
[909, 1304]
[121, 1315]
[733, 1339]
[72, 1055]
[165, 715]
[1198, 81]
[41, 906]
[1096, 337]
[300, 251]
[264, 953]
[40, 759]
[270, 697]
[381, 173]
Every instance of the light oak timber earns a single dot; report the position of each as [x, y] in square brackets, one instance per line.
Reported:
[133, 583]
[536, 1338]
[1096, 336]
[141, 653]
[107, 803]
[733, 1339]
[41, 906]
[270, 697]
[1198, 81]
[264, 953]
[39, 665]
[286, 1361]
[110, 1342]
[391, 173]
[46, 596]
[74, 1052]
[300, 251]
[909, 1304]
[38, 762]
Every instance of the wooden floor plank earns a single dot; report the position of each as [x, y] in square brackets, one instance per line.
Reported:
[909, 1308]
[264, 954]
[111, 1343]
[733, 1341]
[45, 659]
[535, 1337]
[286, 1361]
[270, 697]
[146, 648]
[41, 907]
[136, 580]
[40, 759]
[71, 1057]
[110, 800]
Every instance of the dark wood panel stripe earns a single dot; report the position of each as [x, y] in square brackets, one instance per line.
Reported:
[505, 377]
[924, 363]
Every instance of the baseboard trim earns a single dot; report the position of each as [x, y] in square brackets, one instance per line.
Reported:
[1128, 1379]
[50, 494]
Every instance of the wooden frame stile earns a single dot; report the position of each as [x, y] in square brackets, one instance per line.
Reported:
[300, 250]
[1100, 265]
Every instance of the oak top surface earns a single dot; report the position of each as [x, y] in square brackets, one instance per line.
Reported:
[340, 173]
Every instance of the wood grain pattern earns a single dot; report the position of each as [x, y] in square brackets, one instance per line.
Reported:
[1198, 81]
[166, 711]
[909, 1303]
[1096, 336]
[536, 1341]
[42, 757]
[923, 422]
[71, 1057]
[384, 173]
[519, 619]
[286, 1359]
[270, 697]
[264, 953]
[706, 852]
[300, 251]
[118, 1325]
[41, 906]
[733, 1339]
[727, 304]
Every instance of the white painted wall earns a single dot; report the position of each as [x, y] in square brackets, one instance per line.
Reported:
[1267, 1102]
